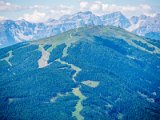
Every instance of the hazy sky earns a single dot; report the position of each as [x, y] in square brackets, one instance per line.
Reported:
[41, 10]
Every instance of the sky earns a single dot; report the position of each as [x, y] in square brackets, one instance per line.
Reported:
[42, 10]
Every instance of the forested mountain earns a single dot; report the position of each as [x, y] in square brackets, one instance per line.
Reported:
[90, 73]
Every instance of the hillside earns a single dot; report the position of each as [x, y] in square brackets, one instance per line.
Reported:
[91, 73]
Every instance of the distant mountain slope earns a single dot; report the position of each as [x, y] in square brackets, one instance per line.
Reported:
[115, 19]
[17, 31]
[147, 24]
[87, 73]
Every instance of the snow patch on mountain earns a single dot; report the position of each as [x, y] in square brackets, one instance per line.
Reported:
[25, 37]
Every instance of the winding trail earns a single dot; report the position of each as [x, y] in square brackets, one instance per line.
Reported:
[43, 62]
[75, 68]
[76, 91]
[59, 95]
[79, 106]
[64, 54]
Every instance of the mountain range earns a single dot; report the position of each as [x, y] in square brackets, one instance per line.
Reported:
[12, 32]
[87, 73]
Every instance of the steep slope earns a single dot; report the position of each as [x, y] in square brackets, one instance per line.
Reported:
[137, 22]
[115, 19]
[82, 18]
[12, 32]
[145, 25]
[87, 73]
[15, 31]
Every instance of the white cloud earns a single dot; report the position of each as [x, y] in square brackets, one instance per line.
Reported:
[36, 16]
[6, 6]
[145, 6]
[97, 7]
[100, 8]
[2, 18]
[55, 13]
[83, 5]
[61, 10]
[38, 7]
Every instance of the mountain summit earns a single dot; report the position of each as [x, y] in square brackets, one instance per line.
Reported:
[86, 73]
[115, 19]
[12, 32]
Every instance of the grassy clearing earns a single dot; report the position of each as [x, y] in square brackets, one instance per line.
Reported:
[8, 58]
[91, 83]
[43, 61]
